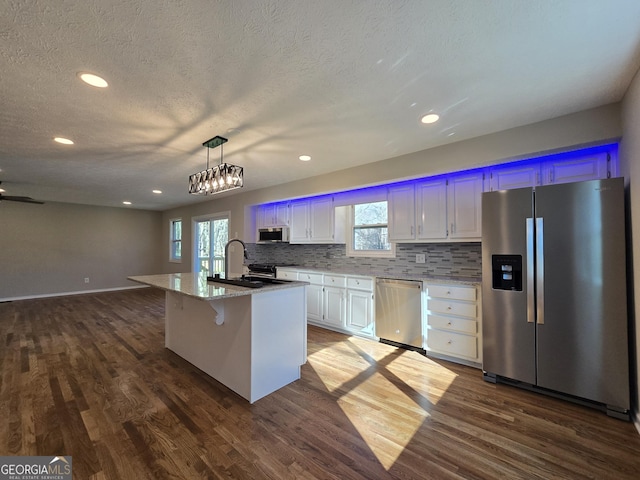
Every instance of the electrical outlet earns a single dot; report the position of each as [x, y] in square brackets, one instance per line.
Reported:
[420, 258]
[86, 279]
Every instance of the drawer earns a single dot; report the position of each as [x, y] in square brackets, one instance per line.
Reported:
[455, 324]
[361, 283]
[335, 280]
[455, 344]
[287, 274]
[311, 277]
[453, 292]
[437, 305]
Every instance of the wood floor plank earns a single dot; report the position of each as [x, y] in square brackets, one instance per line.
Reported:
[88, 376]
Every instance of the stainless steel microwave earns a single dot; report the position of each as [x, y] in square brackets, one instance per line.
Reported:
[273, 235]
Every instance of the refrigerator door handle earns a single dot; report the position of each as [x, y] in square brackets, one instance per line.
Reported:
[530, 290]
[540, 270]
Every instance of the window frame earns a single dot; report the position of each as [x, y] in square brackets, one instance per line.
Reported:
[224, 215]
[173, 241]
[350, 250]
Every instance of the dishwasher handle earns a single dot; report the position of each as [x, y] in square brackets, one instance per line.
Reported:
[396, 283]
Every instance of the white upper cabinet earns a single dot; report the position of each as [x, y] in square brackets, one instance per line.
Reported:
[273, 215]
[299, 222]
[314, 221]
[322, 220]
[591, 167]
[431, 208]
[402, 207]
[444, 209]
[464, 201]
[514, 176]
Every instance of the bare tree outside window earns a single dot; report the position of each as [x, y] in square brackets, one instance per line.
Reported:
[370, 230]
[212, 236]
[176, 240]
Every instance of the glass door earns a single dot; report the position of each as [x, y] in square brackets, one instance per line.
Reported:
[211, 235]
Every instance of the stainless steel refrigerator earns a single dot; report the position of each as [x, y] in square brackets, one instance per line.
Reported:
[554, 291]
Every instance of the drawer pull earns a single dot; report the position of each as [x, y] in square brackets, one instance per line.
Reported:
[450, 342]
[449, 307]
[448, 292]
[449, 323]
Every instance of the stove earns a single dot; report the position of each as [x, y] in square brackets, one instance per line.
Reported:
[264, 269]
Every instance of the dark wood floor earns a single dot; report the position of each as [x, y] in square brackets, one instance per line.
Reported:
[88, 376]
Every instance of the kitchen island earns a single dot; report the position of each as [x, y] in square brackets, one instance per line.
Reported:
[252, 340]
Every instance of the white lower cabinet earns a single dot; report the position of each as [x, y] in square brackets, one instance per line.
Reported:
[453, 322]
[334, 300]
[287, 273]
[339, 302]
[360, 311]
[315, 297]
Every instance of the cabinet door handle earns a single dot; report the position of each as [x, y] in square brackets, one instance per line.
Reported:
[411, 229]
[451, 228]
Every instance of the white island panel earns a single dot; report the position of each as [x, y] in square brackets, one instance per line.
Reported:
[254, 341]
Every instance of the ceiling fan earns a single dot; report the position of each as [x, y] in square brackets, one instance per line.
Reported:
[12, 198]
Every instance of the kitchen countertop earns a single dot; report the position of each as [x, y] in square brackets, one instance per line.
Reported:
[195, 285]
[402, 276]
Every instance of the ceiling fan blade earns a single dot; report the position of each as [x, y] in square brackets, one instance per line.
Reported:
[11, 198]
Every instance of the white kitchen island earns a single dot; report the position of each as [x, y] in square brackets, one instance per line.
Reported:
[253, 340]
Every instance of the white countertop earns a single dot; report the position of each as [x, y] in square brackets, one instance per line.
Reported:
[364, 272]
[196, 285]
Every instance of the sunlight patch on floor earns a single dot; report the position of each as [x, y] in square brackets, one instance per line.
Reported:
[375, 414]
[426, 377]
[385, 392]
[334, 375]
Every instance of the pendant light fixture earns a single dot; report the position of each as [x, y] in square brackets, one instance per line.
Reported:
[221, 178]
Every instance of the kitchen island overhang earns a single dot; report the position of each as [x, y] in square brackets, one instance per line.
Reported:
[252, 340]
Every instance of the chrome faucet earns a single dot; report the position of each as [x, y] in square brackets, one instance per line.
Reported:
[226, 255]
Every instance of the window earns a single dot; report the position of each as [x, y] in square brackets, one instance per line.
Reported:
[369, 235]
[175, 240]
[211, 236]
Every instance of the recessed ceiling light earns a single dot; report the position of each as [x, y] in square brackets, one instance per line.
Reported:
[157, 191]
[2, 190]
[430, 118]
[126, 202]
[304, 158]
[93, 80]
[64, 141]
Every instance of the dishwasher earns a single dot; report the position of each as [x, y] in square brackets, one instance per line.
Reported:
[399, 312]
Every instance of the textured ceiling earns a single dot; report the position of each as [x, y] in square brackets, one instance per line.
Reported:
[343, 81]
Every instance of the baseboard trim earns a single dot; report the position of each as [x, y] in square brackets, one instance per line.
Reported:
[65, 294]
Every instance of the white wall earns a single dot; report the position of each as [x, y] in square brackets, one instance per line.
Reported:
[630, 163]
[50, 249]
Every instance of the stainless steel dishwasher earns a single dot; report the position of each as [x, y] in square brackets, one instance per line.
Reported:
[399, 311]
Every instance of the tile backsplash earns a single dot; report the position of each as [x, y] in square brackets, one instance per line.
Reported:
[442, 259]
